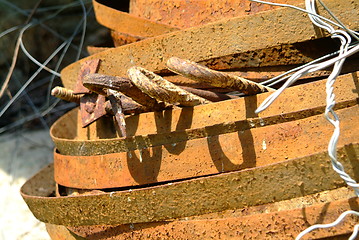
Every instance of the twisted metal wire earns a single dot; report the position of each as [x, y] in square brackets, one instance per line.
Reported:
[333, 224]
[331, 116]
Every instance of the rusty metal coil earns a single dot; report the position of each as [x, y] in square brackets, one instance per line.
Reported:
[66, 94]
[161, 89]
[201, 73]
[97, 82]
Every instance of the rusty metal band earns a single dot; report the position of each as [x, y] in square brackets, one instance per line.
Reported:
[262, 68]
[94, 49]
[123, 22]
[280, 220]
[177, 125]
[143, 142]
[120, 39]
[226, 37]
[205, 156]
[255, 186]
[191, 13]
[299, 53]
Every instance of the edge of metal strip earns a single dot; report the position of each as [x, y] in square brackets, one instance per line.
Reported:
[212, 40]
[250, 187]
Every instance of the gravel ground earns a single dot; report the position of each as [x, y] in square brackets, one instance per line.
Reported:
[22, 155]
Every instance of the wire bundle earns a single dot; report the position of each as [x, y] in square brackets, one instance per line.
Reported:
[345, 51]
[32, 22]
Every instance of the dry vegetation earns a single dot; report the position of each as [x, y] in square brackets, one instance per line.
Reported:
[59, 29]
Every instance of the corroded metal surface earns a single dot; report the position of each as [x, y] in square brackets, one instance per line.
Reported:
[280, 220]
[66, 94]
[192, 147]
[116, 104]
[281, 55]
[185, 14]
[92, 106]
[142, 142]
[98, 82]
[278, 58]
[256, 75]
[161, 89]
[120, 39]
[95, 49]
[190, 13]
[186, 198]
[57, 232]
[128, 24]
[204, 156]
[209, 95]
[151, 129]
[87, 67]
[201, 73]
[229, 36]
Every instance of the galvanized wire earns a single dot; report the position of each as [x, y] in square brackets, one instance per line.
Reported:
[333, 224]
[330, 115]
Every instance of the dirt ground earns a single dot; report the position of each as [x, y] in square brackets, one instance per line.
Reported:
[22, 155]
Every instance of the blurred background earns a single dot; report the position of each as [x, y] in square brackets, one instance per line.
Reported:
[37, 40]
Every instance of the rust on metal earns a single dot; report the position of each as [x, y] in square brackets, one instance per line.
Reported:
[161, 89]
[195, 13]
[280, 220]
[95, 49]
[204, 171]
[226, 37]
[129, 106]
[57, 232]
[191, 13]
[259, 75]
[204, 156]
[126, 23]
[120, 39]
[96, 82]
[152, 129]
[65, 94]
[186, 198]
[198, 72]
[87, 67]
[116, 103]
[282, 55]
[209, 95]
[92, 106]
